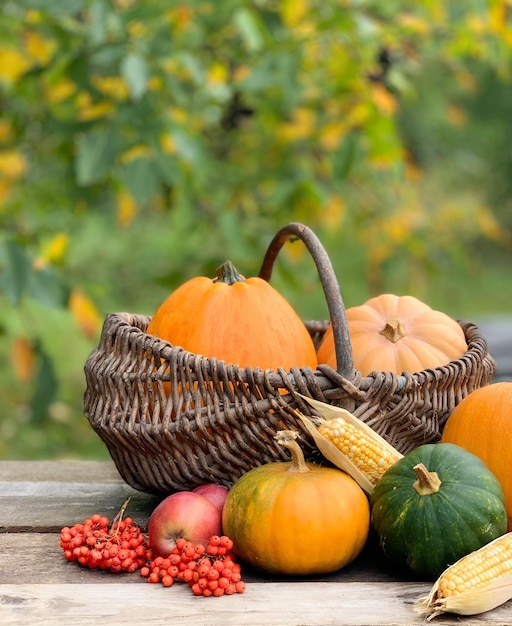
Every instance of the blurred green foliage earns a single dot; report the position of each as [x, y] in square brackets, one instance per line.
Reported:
[144, 142]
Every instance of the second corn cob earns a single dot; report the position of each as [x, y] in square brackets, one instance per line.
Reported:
[478, 582]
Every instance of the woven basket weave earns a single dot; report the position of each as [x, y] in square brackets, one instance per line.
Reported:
[173, 420]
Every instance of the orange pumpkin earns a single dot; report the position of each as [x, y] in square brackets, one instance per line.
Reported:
[244, 322]
[296, 518]
[482, 424]
[395, 334]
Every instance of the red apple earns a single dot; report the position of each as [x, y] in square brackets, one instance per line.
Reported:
[215, 493]
[183, 514]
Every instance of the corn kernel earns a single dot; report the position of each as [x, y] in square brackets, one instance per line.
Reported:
[478, 582]
[365, 451]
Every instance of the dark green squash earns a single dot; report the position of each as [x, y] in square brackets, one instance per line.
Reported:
[435, 505]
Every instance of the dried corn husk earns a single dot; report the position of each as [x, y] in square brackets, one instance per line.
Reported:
[485, 574]
[366, 478]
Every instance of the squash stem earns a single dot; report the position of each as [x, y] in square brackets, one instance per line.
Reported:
[427, 482]
[393, 330]
[287, 439]
[227, 273]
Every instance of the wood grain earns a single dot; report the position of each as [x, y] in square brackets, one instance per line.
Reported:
[43, 560]
[38, 586]
[283, 604]
[47, 495]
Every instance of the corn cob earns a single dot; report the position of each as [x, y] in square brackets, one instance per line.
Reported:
[364, 450]
[365, 455]
[478, 582]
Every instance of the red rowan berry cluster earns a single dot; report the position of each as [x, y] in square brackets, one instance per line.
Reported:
[209, 571]
[97, 544]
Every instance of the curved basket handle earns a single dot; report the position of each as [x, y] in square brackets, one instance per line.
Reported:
[342, 344]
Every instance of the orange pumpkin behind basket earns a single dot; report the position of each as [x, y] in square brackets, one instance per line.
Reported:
[392, 333]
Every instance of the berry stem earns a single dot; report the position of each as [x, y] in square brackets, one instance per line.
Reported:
[115, 522]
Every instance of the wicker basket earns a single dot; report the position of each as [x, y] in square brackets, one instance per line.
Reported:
[173, 420]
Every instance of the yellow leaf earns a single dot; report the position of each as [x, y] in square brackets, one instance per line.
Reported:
[412, 168]
[182, 16]
[294, 11]
[295, 253]
[33, 17]
[85, 313]
[490, 227]
[332, 134]
[13, 64]
[12, 164]
[88, 110]
[359, 113]
[413, 23]
[498, 16]
[240, 73]
[455, 115]
[155, 83]
[217, 74]
[23, 359]
[466, 80]
[5, 131]
[137, 29]
[168, 144]
[335, 210]
[60, 91]
[384, 100]
[39, 49]
[53, 250]
[5, 187]
[140, 150]
[302, 125]
[178, 115]
[111, 86]
[126, 208]
[124, 5]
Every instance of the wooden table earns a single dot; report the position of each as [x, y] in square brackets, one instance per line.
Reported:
[37, 585]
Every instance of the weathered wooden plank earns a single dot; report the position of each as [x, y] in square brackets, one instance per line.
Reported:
[285, 604]
[32, 512]
[59, 471]
[33, 557]
[46, 495]
[46, 507]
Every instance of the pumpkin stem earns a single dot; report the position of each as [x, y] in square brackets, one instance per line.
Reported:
[393, 330]
[287, 439]
[427, 482]
[227, 273]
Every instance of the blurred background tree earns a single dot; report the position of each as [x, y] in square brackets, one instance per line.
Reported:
[144, 142]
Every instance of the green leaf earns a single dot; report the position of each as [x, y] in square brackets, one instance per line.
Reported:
[15, 274]
[192, 65]
[56, 7]
[187, 145]
[135, 72]
[250, 29]
[98, 17]
[45, 287]
[344, 158]
[46, 386]
[168, 168]
[141, 178]
[96, 152]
